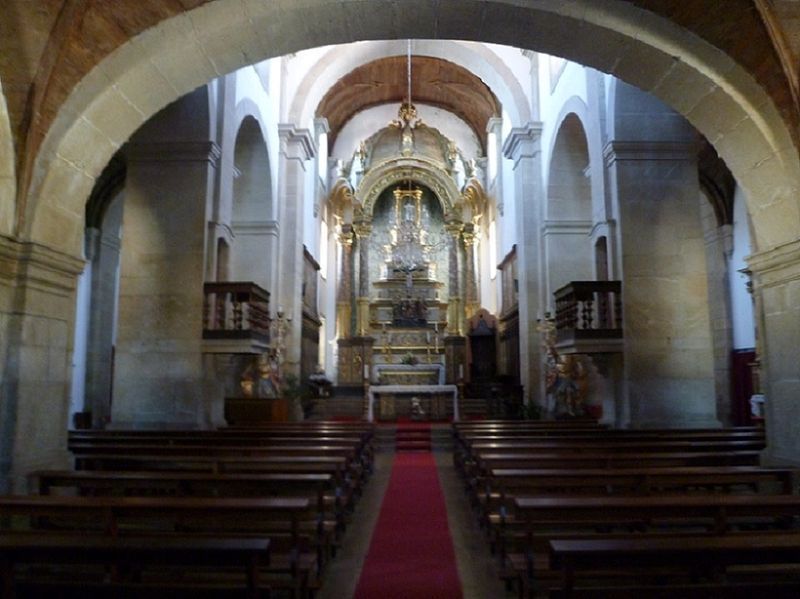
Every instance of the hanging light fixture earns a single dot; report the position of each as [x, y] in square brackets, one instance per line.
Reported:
[408, 111]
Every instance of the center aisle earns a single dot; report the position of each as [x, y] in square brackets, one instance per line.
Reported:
[411, 553]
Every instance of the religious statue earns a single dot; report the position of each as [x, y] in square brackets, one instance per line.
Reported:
[566, 376]
[417, 413]
[260, 378]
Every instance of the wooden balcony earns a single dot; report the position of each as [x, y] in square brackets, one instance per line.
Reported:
[589, 317]
[235, 318]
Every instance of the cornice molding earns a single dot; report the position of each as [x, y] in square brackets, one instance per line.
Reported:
[776, 266]
[35, 266]
[567, 227]
[259, 227]
[520, 141]
[296, 143]
[615, 151]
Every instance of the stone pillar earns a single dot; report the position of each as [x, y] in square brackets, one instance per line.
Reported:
[363, 231]
[455, 318]
[668, 350]
[297, 147]
[522, 146]
[471, 284]
[345, 291]
[37, 312]
[159, 373]
[776, 286]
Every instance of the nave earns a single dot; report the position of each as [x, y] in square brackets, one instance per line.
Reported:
[473, 509]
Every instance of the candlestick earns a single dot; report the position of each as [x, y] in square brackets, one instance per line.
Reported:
[428, 336]
[366, 371]
[460, 372]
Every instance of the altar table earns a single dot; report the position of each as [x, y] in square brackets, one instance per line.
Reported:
[411, 389]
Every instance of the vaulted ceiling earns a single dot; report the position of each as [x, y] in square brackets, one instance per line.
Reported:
[433, 81]
[48, 46]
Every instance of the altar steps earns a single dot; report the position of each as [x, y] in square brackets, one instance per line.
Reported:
[413, 439]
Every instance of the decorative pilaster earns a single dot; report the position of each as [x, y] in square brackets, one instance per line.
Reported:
[522, 146]
[37, 312]
[471, 284]
[345, 283]
[363, 230]
[297, 148]
[455, 316]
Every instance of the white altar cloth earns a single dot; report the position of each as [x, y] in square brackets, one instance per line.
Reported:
[377, 368]
[429, 389]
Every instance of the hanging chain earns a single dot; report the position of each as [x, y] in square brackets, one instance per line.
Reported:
[408, 71]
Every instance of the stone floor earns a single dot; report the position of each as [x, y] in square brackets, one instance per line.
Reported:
[476, 567]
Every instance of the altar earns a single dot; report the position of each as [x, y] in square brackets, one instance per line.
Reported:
[408, 374]
[411, 389]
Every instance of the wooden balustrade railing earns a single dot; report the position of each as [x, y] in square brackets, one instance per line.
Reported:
[589, 310]
[236, 310]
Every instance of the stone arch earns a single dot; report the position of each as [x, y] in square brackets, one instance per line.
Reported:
[8, 179]
[568, 210]
[718, 96]
[337, 62]
[397, 170]
[594, 139]
[568, 185]
[252, 207]
[247, 107]
[252, 199]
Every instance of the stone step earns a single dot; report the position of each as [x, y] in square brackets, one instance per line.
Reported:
[413, 445]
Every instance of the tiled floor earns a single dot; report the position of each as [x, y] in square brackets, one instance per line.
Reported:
[476, 568]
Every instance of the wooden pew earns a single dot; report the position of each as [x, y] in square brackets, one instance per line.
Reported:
[276, 518]
[127, 558]
[326, 526]
[697, 558]
[719, 511]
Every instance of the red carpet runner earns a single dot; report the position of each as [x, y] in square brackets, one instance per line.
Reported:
[411, 555]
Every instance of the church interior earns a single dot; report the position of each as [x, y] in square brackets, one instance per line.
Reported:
[346, 298]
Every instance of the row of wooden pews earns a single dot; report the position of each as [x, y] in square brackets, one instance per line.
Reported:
[248, 512]
[572, 509]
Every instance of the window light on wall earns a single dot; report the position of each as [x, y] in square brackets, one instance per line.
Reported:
[492, 249]
[323, 249]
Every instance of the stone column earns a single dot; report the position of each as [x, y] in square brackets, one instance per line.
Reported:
[363, 230]
[37, 313]
[344, 293]
[158, 372]
[776, 286]
[669, 369]
[297, 148]
[522, 146]
[471, 284]
[455, 317]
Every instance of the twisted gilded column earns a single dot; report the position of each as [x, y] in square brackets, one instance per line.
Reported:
[363, 230]
[345, 291]
[470, 280]
[455, 312]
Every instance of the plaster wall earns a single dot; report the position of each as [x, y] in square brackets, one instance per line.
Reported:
[249, 93]
[571, 84]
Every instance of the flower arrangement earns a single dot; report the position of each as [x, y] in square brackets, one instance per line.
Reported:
[409, 359]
